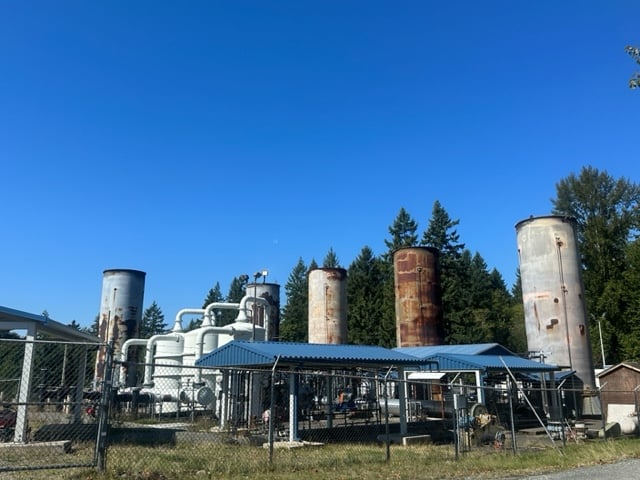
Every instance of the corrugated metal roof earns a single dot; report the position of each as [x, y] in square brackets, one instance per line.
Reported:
[459, 362]
[247, 354]
[467, 349]
[11, 319]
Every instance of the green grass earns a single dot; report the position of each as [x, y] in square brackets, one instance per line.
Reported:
[339, 461]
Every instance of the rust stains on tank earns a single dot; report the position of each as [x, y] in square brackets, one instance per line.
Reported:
[418, 297]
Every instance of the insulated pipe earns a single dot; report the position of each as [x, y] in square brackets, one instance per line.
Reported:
[177, 336]
[210, 318]
[242, 309]
[125, 351]
[200, 344]
[177, 327]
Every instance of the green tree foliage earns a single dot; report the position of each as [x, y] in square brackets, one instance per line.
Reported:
[74, 325]
[214, 295]
[608, 218]
[634, 81]
[454, 270]
[403, 232]
[331, 260]
[152, 321]
[365, 306]
[237, 290]
[294, 326]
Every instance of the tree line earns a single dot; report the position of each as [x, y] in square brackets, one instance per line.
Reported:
[478, 306]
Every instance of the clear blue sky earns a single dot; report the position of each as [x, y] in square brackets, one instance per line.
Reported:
[201, 140]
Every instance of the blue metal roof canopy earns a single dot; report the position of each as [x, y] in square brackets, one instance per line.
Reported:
[240, 353]
[479, 356]
[484, 363]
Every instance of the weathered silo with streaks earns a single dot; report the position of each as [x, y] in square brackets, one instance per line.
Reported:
[556, 321]
[328, 305]
[418, 297]
[271, 293]
[120, 312]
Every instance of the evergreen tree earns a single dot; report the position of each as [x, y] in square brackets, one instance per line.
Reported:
[365, 307]
[94, 328]
[75, 325]
[152, 322]
[441, 234]
[237, 290]
[634, 52]
[403, 232]
[294, 326]
[331, 260]
[214, 295]
[454, 272]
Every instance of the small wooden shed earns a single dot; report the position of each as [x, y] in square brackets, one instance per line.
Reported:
[620, 394]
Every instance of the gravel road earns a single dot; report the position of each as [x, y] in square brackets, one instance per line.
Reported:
[624, 470]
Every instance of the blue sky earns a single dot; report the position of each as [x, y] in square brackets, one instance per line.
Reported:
[198, 141]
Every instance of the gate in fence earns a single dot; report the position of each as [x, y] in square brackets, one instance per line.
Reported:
[49, 411]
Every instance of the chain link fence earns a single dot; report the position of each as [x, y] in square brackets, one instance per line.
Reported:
[46, 418]
[183, 420]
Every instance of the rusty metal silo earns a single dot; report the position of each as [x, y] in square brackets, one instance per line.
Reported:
[328, 305]
[120, 311]
[555, 314]
[418, 297]
[271, 293]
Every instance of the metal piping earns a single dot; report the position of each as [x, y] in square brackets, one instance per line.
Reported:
[125, 351]
[178, 336]
[210, 318]
[242, 308]
[177, 327]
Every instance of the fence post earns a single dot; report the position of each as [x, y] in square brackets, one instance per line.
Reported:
[602, 412]
[103, 414]
[272, 409]
[386, 413]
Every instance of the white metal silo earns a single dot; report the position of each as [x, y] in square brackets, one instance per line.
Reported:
[120, 313]
[555, 313]
[328, 305]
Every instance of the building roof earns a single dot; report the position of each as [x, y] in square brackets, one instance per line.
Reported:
[630, 365]
[467, 349]
[11, 319]
[486, 363]
[259, 354]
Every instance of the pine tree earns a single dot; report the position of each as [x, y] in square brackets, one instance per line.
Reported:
[237, 290]
[294, 326]
[214, 295]
[454, 272]
[364, 290]
[403, 232]
[331, 260]
[152, 322]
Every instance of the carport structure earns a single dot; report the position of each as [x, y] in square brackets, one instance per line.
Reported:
[482, 360]
[36, 326]
[292, 357]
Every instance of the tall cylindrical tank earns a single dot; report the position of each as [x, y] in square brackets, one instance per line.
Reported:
[555, 314]
[328, 305]
[120, 313]
[271, 293]
[418, 297]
